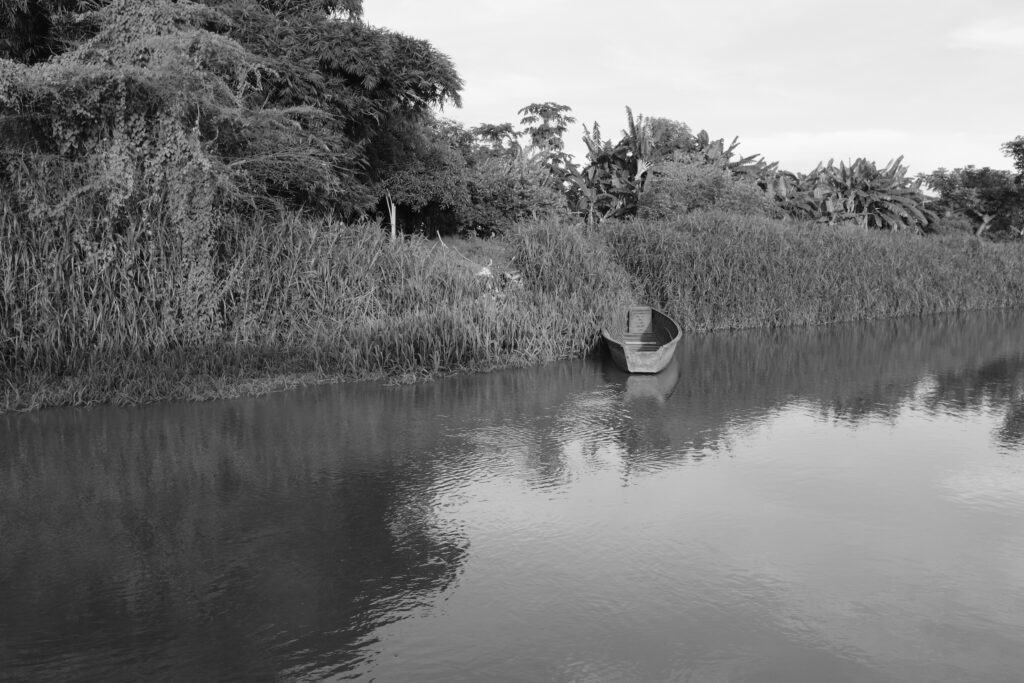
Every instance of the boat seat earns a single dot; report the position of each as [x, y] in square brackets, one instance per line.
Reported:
[642, 341]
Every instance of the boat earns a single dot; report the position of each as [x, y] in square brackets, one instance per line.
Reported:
[642, 339]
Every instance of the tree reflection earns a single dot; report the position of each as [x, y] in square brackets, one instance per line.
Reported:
[1011, 434]
[732, 381]
[235, 539]
[278, 537]
[997, 384]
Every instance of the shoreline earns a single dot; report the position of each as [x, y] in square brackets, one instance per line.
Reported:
[171, 387]
[412, 310]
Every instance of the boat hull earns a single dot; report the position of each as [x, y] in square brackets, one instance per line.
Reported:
[642, 339]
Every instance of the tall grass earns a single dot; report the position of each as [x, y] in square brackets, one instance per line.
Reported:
[723, 270]
[300, 300]
[96, 311]
[572, 280]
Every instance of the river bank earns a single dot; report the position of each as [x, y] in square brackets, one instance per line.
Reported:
[306, 302]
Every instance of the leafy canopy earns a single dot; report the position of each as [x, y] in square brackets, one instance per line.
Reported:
[296, 102]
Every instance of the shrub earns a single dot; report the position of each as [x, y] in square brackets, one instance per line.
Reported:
[952, 224]
[677, 188]
[505, 191]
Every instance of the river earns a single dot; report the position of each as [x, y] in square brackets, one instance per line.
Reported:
[811, 504]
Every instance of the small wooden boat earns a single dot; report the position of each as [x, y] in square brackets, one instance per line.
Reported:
[642, 339]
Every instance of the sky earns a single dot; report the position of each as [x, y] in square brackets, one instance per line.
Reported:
[798, 81]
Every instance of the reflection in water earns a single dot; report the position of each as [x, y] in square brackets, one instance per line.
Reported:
[997, 384]
[857, 515]
[644, 387]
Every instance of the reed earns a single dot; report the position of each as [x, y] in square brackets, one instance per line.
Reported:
[293, 302]
[98, 311]
[726, 271]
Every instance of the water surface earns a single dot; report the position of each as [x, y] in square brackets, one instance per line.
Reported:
[828, 504]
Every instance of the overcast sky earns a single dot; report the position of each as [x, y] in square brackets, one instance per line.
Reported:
[799, 81]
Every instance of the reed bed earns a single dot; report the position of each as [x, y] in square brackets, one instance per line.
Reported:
[294, 302]
[726, 271]
[94, 311]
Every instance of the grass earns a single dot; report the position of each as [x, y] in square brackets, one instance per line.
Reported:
[295, 303]
[478, 253]
[728, 271]
[303, 301]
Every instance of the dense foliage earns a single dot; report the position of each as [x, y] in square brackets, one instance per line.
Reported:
[860, 194]
[678, 188]
[287, 105]
[984, 201]
[179, 178]
[659, 168]
[328, 301]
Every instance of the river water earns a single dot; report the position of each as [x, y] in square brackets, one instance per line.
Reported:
[828, 504]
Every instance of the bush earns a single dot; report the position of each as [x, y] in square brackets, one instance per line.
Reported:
[505, 191]
[678, 188]
[952, 224]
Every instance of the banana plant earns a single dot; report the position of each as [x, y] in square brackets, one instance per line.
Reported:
[611, 184]
[859, 193]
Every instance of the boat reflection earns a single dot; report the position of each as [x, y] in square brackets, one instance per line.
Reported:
[657, 387]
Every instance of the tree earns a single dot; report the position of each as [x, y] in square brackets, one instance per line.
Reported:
[988, 198]
[430, 188]
[140, 139]
[546, 123]
[160, 80]
[669, 137]
[34, 30]
[1015, 150]
[309, 123]
[376, 86]
[500, 139]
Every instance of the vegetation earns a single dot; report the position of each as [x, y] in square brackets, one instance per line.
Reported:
[190, 195]
[721, 270]
[982, 201]
[860, 194]
[679, 188]
[306, 302]
[321, 301]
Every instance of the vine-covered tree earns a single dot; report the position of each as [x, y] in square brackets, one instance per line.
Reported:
[27, 29]
[319, 97]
